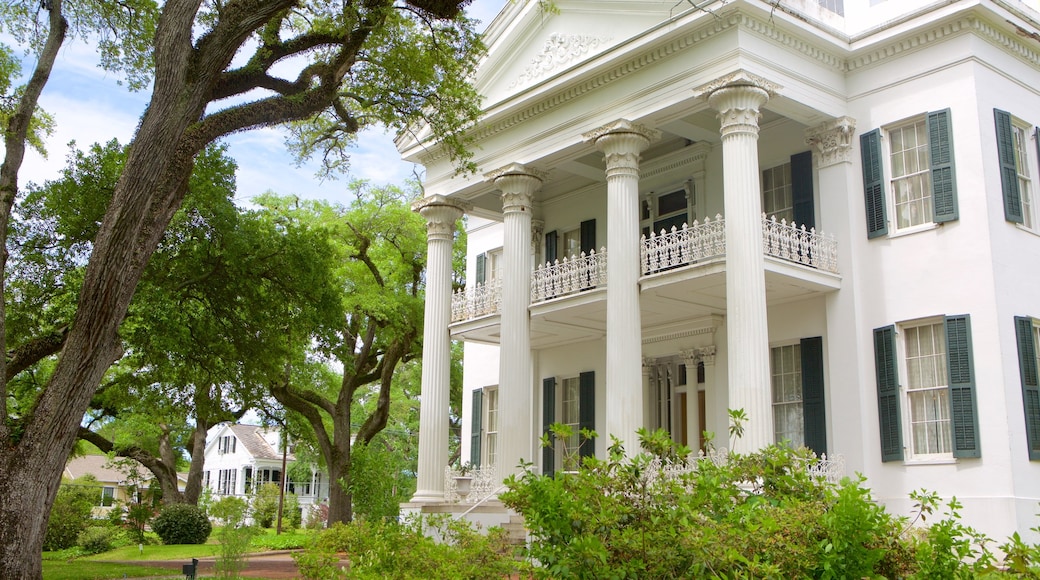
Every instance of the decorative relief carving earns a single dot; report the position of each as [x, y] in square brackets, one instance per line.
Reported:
[707, 354]
[622, 161]
[515, 169]
[690, 357]
[738, 78]
[832, 141]
[441, 213]
[622, 126]
[559, 49]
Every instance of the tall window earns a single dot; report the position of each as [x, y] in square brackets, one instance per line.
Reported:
[108, 496]
[226, 444]
[1025, 186]
[927, 390]
[569, 415]
[911, 184]
[571, 243]
[788, 408]
[227, 481]
[491, 425]
[777, 193]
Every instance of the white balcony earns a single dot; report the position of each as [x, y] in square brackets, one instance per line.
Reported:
[568, 276]
[476, 301]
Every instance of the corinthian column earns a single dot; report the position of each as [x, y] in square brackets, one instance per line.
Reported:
[737, 99]
[621, 142]
[517, 184]
[441, 214]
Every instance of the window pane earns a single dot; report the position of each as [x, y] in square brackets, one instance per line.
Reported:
[672, 202]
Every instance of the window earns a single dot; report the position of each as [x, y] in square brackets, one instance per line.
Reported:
[786, 371]
[227, 481]
[1027, 334]
[484, 441]
[922, 187]
[570, 243]
[777, 199]
[664, 211]
[927, 394]
[911, 184]
[799, 414]
[226, 444]
[489, 266]
[1016, 182]
[108, 496]
[935, 407]
[573, 404]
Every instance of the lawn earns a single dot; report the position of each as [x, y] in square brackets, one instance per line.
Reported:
[85, 570]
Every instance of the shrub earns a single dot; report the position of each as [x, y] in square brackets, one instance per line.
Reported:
[265, 504]
[317, 516]
[292, 516]
[386, 549]
[182, 523]
[71, 512]
[234, 535]
[660, 515]
[378, 484]
[96, 539]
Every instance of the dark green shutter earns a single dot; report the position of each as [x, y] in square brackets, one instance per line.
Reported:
[587, 236]
[548, 418]
[1008, 171]
[587, 411]
[814, 413]
[944, 178]
[873, 183]
[888, 393]
[1030, 383]
[478, 414]
[964, 420]
[550, 247]
[802, 190]
[481, 268]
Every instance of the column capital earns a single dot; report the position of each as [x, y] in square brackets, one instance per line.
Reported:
[831, 141]
[518, 183]
[441, 213]
[707, 355]
[690, 356]
[738, 78]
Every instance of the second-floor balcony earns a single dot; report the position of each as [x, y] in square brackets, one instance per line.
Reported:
[680, 251]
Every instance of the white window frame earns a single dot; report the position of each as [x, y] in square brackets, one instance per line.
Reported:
[777, 183]
[795, 373]
[650, 206]
[489, 424]
[568, 402]
[493, 267]
[906, 332]
[1023, 136]
[108, 492]
[921, 177]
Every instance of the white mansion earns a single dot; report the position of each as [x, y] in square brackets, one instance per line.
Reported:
[822, 212]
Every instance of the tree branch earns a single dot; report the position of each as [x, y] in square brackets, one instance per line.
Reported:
[34, 351]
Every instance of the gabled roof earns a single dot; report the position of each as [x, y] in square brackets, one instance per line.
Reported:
[252, 437]
[98, 466]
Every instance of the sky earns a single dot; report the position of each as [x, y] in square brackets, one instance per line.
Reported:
[90, 106]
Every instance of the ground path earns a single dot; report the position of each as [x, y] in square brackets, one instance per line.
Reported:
[277, 565]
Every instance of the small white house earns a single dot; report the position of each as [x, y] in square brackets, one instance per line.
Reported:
[240, 458]
[822, 212]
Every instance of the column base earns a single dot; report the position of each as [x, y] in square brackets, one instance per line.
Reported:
[427, 496]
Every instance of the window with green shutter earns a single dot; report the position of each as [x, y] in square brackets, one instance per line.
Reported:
[548, 418]
[964, 421]
[888, 393]
[1027, 335]
[1016, 169]
[476, 431]
[921, 188]
[1008, 170]
[812, 394]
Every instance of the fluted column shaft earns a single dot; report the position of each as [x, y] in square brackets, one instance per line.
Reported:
[517, 184]
[441, 215]
[746, 323]
[622, 142]
[693, 415]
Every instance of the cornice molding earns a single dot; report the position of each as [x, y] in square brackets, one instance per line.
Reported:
[558, 51]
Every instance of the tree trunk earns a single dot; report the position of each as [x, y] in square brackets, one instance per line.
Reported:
[341, 509]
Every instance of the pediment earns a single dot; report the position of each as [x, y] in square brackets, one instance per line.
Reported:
[528, 46]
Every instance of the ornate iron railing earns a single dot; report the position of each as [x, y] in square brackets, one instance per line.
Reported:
[683, 246]
[477, 300]
[570, 275]
[799, 245]
[480, 484]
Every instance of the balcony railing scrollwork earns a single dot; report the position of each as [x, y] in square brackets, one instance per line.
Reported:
[683, 246]
[570, 275]
[799, 245]
[475, 301]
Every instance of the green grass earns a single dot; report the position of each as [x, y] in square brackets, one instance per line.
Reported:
[157, 552]
[287, 540]
[84, 570]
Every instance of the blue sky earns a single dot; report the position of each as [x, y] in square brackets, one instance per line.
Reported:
[90, 106]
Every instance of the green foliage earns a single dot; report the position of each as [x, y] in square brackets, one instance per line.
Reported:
[292, 515]
[291, 540]
[71, 512]
[387, 549]
[755, 515]
[948, 548]
[96, 539]
[234, 536]
[378, 483]
[182, 523]
[264, 504]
